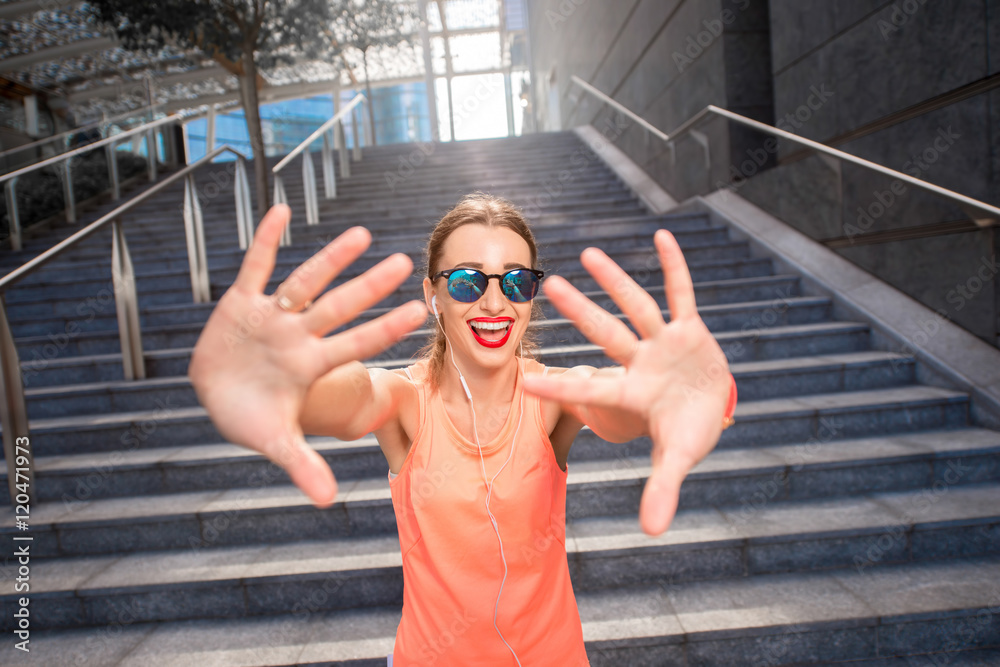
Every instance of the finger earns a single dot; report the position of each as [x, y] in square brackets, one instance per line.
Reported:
[676, 277]
[598, 325]
[343, 303]
[661, 495]
[372, 337]
[258, 263]
[680, 440]
[309, 279]
[607, 392]
[641, 309]
[307, 469]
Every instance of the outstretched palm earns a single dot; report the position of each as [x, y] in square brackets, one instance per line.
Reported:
[675, 376]
[254, 361]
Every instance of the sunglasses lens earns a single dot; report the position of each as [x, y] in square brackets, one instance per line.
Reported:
[520, 285]
[466, 286]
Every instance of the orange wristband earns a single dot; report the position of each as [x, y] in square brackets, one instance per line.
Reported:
[728, 420]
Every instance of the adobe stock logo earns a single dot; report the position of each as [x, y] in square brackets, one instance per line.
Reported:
[900, 16]
[697, 44]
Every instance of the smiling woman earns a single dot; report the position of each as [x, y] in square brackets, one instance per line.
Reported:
[456, 254]
[477, 432]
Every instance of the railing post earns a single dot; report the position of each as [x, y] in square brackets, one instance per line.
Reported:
[127, 305]
[281, 198]
[329, 177]
[706, 148]
[356, 152]
[112, 154]
[68, 197]
[13, 217]
[194, 232]
[14, 416]
[244, 210]
[169, 147]
[309, 187]
[210, 130]
[151, 154]
[345, 162]
[366, 124]
[187, 143]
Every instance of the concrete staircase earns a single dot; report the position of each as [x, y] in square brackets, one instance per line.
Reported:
[851, 514]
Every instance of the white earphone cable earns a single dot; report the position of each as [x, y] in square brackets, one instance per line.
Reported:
[489, 484]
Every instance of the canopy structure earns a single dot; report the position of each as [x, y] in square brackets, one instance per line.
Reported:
[53, 49]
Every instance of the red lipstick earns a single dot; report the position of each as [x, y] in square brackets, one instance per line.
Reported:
[491, 343]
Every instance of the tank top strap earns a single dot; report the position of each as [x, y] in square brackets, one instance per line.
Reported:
[418, 375]
[422, 406]
[533, 403]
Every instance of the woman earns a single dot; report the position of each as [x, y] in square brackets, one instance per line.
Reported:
[476, 435]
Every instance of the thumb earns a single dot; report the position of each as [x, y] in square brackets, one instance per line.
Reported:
[307, 469]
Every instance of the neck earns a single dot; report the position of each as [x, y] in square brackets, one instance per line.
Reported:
[489, 386]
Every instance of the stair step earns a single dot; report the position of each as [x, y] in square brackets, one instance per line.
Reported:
[271, 508]
[862, 533]
[756, 380]
[795, 618]
[137, 471]
[159, 256]
[775, 342]
[711, 292]
[180, 278]
[884, 410]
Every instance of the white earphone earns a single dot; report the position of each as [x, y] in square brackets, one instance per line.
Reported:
[489, 484]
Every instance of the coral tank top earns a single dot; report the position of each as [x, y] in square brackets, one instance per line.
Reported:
[452, 567]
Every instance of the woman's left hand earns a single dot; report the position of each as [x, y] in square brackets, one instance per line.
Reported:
[676, 376]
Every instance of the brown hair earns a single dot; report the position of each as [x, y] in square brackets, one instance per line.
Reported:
[483, 209]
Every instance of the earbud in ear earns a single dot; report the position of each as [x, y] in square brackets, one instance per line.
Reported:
[434, 306]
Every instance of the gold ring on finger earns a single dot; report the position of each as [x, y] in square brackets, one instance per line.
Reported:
[287, 305]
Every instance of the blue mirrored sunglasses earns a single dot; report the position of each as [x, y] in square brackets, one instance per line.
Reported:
[468, 285]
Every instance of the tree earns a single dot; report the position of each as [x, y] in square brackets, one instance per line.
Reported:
[243, 36]
[367, 24]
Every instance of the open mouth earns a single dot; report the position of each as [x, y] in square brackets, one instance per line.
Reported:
[491, 331]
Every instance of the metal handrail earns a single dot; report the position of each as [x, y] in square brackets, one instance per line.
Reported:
[9, 181]
[82, 128]
[308, 174]
[55, 159]
[968, 204]
[13, 408]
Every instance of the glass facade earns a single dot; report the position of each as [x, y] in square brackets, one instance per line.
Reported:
[479, 73]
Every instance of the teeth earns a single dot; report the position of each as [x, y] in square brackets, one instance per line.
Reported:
[491, 326]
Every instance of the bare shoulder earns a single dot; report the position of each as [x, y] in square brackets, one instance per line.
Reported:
[396, 390]
[399, 398]
[558, 421]
[572, 372]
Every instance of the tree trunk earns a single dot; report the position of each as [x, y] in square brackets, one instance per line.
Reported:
[368, 94]
[248, 82]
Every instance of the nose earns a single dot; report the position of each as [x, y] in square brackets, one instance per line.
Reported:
[493, 300]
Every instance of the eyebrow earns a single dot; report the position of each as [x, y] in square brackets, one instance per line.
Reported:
[478, 265]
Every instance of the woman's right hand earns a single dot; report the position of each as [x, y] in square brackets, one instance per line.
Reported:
[254, 360]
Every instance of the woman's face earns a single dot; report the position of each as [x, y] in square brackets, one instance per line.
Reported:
[472, 328]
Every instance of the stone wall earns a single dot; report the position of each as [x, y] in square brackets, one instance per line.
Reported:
[664, 59]
[903, 83]
[896, 73]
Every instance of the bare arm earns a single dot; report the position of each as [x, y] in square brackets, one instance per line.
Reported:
[611, 423]
[351, 401]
